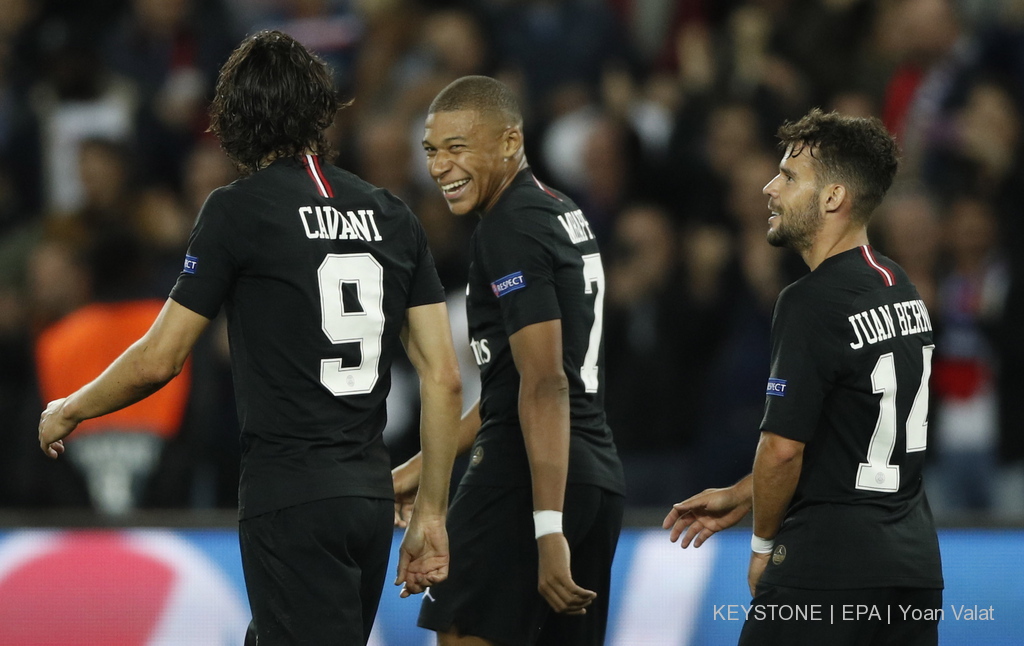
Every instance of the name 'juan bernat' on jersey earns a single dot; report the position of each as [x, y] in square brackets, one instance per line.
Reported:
[316, 269]
[851, 357]
[535, 259]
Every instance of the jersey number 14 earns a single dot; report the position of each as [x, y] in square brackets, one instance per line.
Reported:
[876, 474]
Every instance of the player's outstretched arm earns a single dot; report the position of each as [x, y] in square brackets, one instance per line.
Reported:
[544, 416]
[709, 512]
[423, 556]
[140, 371]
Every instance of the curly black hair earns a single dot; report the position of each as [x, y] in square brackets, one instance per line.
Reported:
[854, 151]
[274, 99]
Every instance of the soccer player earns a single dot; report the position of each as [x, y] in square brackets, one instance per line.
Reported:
[539, 436]
[840, 515]
[323, 277]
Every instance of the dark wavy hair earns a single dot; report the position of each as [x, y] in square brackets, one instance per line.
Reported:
[274, 99]
[856, 152]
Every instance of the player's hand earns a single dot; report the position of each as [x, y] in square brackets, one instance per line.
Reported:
[406, 480]
[758, 562]
[53, 428]
[703, 515]
[423, 556]
[554, 579]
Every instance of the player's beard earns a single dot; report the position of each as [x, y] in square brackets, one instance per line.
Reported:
[797, 228]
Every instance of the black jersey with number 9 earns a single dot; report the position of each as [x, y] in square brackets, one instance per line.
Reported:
[316, 269]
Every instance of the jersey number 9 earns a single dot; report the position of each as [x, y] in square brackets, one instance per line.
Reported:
[352, 312]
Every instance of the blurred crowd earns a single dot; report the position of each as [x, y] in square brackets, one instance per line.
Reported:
[656, 116]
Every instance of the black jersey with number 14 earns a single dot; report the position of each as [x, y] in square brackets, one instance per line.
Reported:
[851, 357]
[316, 269]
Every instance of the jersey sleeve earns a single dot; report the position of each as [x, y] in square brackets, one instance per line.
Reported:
[426, 287]
[800, 376]
[520, 268]
[211, 261]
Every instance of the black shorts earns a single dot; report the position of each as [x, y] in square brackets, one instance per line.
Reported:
[864, 617]
[314, 572]
[491, 591]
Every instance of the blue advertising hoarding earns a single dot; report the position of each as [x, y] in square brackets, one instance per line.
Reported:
[172, 587]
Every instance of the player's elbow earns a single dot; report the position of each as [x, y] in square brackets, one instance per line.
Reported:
[156, 374]
[448, 380]
[552, 383]
[154, 369]
[781, 450]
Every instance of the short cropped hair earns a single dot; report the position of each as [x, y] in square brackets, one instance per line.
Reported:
[482, 94]
[273, 97]
[857, 152]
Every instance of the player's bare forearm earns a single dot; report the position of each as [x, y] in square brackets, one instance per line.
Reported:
[406, 476]
[544, 415]
[543, 409]
[141, 370]
[430, 349]
[776, 473]
[708, 512]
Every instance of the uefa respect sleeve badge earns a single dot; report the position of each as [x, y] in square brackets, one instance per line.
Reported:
[508, 284]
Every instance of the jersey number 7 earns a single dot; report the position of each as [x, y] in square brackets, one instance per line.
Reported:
[877, 474]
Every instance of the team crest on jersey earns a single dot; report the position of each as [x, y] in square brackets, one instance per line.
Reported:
[779, 555]
[191, 262]
[508, 284]
[776, 387]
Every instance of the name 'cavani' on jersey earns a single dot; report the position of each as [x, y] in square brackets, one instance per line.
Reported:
[535, 259]
[316, 269]
[851, 357]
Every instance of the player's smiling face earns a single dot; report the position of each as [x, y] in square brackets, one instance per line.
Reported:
[793, 201]
[465, 158]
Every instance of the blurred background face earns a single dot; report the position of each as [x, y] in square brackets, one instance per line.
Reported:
[970, 231]
[455, 39]
[103, 174]
[161, 17]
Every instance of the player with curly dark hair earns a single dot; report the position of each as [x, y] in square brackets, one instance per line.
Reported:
[323, 278]
[841, 519]
[273, 99]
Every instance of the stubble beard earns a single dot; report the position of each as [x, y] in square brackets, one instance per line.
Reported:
[796, 229]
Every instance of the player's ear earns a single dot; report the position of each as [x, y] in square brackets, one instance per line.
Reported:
[834, 197]
[511, 141]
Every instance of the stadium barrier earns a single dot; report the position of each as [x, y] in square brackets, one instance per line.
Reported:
[162, 586]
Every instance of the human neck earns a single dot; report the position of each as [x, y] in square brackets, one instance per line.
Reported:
[827, 245]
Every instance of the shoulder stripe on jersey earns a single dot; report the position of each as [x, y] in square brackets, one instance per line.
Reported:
[312, 165]
[869, 257]
[544, 188]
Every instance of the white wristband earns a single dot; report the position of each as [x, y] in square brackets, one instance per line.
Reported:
[547, 521]
[761, 545]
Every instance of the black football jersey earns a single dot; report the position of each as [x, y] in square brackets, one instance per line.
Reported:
[851, 358]
[535, 259]
[316, 269]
